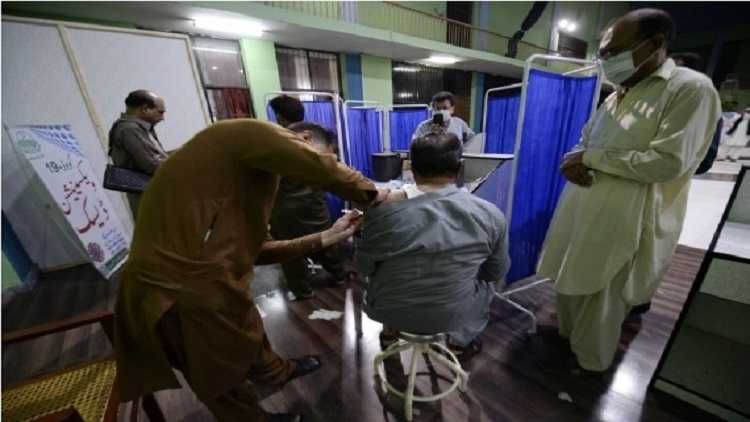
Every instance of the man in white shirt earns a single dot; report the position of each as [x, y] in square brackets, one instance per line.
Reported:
[618, 221]
[443, 103]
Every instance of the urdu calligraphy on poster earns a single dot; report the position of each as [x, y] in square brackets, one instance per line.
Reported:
[56, 157]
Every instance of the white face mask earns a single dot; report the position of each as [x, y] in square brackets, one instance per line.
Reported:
[446, 115]
[620, 68]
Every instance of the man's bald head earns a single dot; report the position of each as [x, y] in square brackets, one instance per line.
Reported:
[650, 22]
[636, 26]
[146, 105]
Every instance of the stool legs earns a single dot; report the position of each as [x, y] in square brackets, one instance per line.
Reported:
[409, 396]
[436, 351]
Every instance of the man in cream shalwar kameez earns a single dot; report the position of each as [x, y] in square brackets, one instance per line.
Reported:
[612, 239]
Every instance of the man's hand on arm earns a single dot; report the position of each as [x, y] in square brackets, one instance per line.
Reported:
[383, 194]
[574, 170]
[342, 229]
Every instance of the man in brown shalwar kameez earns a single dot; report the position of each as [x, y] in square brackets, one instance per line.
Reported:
[184, 298]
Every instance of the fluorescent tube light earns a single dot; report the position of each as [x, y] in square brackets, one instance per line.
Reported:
[442, 59]
[215, 50]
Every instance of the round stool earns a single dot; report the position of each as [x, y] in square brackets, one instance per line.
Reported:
[433, 346]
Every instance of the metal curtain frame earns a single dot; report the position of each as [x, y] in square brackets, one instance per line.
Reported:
[410, 106]
[587, 66]
[335, 99]
[520, 85]
[363, 104]
[522, 110]
[486, 102]
[394, 106]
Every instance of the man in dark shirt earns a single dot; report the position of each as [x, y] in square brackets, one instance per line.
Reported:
[133, 142]
[300, 210]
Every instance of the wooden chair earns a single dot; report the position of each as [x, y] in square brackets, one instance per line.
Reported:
[86, 392]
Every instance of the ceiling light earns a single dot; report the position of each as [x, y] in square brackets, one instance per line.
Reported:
[215, 50]
[214, 67]
[231, 26]
[566, 25]
[442, 59]
[405, 69]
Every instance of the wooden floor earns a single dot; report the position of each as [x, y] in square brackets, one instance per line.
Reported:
[511, 380]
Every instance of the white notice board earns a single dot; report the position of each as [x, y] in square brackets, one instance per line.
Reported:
[80, 74]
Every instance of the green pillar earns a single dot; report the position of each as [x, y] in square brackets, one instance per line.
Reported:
[377, 82]
[261, 70]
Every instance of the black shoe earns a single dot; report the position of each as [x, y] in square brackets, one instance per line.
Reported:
[466, 352]
[285, 417]
[304, 366]
[387, 339]
[637, 311]
[296, 297]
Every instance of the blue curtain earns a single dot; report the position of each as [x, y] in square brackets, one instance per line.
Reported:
[365, 134]
[557, 107]
[320, 112]
[403, 122]
[502, 117]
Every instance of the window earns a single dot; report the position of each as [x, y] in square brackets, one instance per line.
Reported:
[569, 46]
[415, 84]
[223, 77]
[307, 70]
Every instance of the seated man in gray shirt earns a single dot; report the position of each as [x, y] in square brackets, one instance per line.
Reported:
[432, 259]
[444, 103]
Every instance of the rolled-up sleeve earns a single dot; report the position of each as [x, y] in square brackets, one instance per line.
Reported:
[279, 151]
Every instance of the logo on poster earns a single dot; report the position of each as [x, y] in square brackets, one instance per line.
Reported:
[27, 144]
[95, 252]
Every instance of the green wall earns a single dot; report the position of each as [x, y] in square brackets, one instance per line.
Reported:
[259, 58]
[377, 82]
[10, 278]
[432, 7]
[505, 18]
[62, 16]
[375, 14]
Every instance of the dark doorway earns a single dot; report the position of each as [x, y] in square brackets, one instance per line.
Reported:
[459, 35]
[570, 46]
[459, 83]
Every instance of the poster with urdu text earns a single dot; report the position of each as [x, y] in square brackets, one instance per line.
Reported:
[56, 157]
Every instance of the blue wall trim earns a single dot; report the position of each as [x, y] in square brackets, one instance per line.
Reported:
[478, 101]
[14, 251]
[354, 77]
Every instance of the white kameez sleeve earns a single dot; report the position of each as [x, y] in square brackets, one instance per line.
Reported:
[685, 129]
